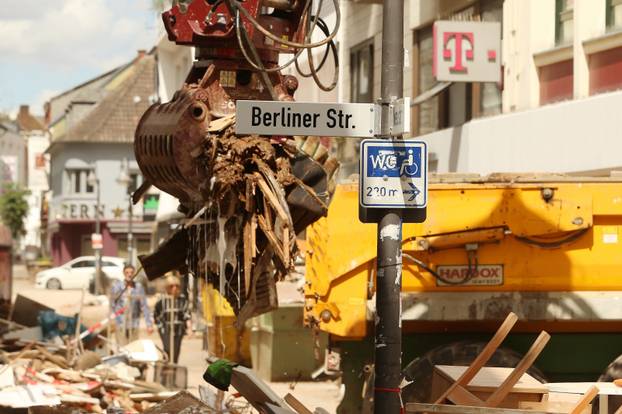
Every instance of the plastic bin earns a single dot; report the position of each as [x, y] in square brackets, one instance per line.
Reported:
[282, 349]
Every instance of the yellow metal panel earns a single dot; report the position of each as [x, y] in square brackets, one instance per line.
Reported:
[510, 226]
[223, 338]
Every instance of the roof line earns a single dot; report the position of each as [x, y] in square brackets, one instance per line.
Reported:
[87, 82]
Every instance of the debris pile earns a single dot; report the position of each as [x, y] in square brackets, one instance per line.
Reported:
[245, 197]
[40, 374]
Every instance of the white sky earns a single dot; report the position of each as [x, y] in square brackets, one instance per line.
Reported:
[48, 46]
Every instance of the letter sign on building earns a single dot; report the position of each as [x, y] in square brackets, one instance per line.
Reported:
[467, 51]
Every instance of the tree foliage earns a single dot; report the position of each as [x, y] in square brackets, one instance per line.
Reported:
[14, 208]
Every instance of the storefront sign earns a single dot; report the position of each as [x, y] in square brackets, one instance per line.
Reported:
[97, 241]
[81, 211]
[467, 51]
[150, 206]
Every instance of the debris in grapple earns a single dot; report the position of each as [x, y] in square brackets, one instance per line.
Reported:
[246, 197]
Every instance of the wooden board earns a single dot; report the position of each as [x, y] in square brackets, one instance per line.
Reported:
[483, 385]
[483, 357]
[461, 409]
[608, 388]
[525, 363]
[552, 406]
[488, 379]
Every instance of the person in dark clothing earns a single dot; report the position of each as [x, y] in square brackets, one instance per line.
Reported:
[173, 318]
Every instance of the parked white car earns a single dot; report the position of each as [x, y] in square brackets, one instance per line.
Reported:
[77, 273]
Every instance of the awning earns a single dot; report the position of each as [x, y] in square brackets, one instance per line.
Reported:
[430, 93]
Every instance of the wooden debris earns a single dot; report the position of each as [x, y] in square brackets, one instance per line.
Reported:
[298, 406]
[153, 396]
[38, 374]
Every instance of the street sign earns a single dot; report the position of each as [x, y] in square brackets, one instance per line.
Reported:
[393, 174]
[97, 242]
[467, 51]
[305, 118]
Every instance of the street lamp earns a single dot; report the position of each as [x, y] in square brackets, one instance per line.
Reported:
[125, 180]
[93, 181]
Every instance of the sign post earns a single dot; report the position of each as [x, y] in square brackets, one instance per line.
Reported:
[388, 329]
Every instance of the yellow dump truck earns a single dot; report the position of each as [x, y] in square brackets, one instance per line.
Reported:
[548, 248]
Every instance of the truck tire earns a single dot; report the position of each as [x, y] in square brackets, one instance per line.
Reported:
[419, 371]
[613, 371]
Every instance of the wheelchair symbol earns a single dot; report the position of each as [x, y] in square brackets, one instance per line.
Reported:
[408, 167]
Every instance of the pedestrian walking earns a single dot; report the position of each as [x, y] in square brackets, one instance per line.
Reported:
[172, 317]
[129, 294]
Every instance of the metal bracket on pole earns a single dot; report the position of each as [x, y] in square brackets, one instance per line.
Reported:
[398, 117]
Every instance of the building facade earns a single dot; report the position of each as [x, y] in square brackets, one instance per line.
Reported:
[12, 154]
[36, 141]
[92, 139]
[553, 111]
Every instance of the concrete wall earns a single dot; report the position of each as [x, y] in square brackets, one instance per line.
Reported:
[553, 138]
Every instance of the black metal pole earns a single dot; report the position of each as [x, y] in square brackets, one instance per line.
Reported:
[388, 333]
[98, 251]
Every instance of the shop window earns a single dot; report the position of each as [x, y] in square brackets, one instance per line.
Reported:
[556, 82]
[490, 101]
[606, 71]
[614, 14]
[564, 11]
[362, 72]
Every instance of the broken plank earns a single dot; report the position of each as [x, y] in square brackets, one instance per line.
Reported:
[272, 199]
[248, 254]
[267, 213]
[78, 399]
[296, 404]
[273, 240]
[504, 389]
[221, 124]
[483, 356]
[152, 396]
[585, 400]
[463, 409]
[286, 246]
[254, 235]
[250, 193]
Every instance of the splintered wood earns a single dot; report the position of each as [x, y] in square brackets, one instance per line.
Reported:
[258, 193]
[245, 199]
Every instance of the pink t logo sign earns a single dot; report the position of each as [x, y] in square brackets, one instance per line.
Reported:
[457, 37]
